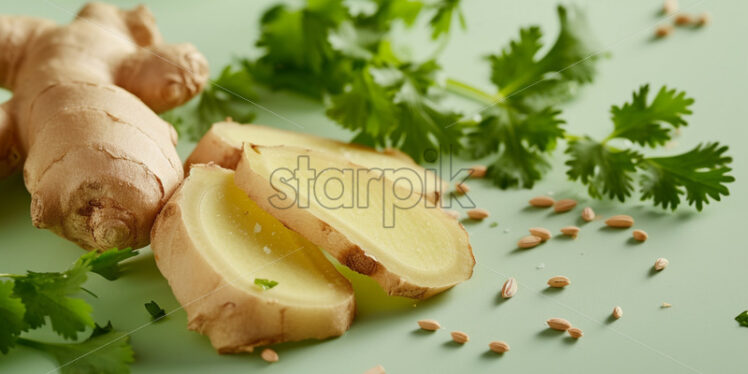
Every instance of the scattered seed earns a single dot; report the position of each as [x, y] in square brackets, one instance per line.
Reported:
[529, 241]
[620, 221]
[493, 224]
[617, 312]
[542, 201]
[478, 171]
[575, 332]
[703, 19]
[564, 205]
[542, 233]
[663, 31]
[499, 346]
[540, 266]
[588, 214]
[683, 19]
[570, 231]
[670, 7]
[640, 235]
[666, 305]
[478, 214]
[429, 324]
[460, 337]
[559, 324]
[452, 213]
[269, 355]
[509, 289]
[462, 188]
[559, 281]
[661, 263]
[379, 369]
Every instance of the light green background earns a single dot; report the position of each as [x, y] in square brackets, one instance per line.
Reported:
[705, 283]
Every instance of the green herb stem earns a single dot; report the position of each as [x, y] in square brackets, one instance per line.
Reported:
[469, 92]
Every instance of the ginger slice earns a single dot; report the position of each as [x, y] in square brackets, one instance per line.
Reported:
[212, 242]
[415, 252]
[223, 145]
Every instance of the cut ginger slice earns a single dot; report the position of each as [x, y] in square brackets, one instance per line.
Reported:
[217, 249]
[222, 145]
[371, 224]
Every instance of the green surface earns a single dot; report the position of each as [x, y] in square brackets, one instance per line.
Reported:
[705, 281]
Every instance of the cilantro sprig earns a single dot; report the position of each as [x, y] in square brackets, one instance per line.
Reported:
[28, 301]
[343, 54]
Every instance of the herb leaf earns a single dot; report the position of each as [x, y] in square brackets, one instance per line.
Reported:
[106, 351]
[155, 311]
[107, 263]
[607, 172]
[742, 318]
[48, 295]
[702, 172]
[642, 123]
[529, 80]
[441, 22]
[265, 284]
[12, 311]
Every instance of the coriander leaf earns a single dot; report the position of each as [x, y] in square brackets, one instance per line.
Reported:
[381, 13]
[47, 295]
[530, 80]
[11, 315]
[520, 139]
[106, 351]
[642, 123]
[742, 318]
[606, 171]
[441, 22]
[107, 263]
[265, 284]
[298, 54]
[702, 172]
[155, 311]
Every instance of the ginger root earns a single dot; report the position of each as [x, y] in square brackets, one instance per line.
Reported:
[97, 160]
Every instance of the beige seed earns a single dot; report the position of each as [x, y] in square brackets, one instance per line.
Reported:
[620, 221]
[499, 346]
[663, 30]
[564, 205]
[559, 324]
[575, 332]
[703, 19]
[478, 171]
[529, 241]
[588, 214]
[461, 188]
[542, 201]
[478, 214]
[379, 369]
[269, 355]
[683, 19]
[452, 213]
[429, 324]
[559, 281]
[460, 337]
[509, 289]
[661, 263]
[570, 231]
[666, 305]
[640, 235]
[617, 312]
[542, 233]
[670, 7]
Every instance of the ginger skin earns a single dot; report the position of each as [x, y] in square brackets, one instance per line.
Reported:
[97, 160]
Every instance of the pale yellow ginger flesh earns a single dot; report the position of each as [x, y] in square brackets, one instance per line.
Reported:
[212, 242]
[223, 145]
[98, 161]
[410, 248]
